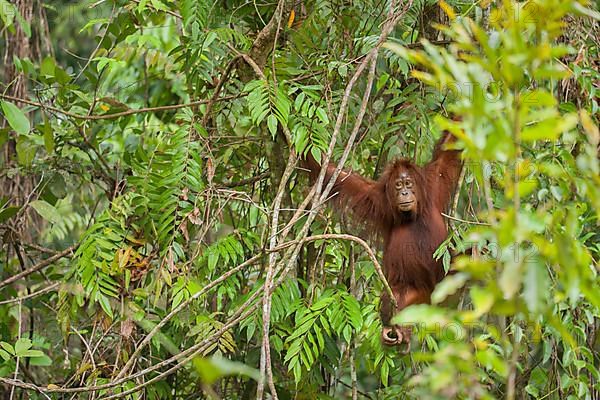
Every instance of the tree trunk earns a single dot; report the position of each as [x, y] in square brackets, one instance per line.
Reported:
[16, 187]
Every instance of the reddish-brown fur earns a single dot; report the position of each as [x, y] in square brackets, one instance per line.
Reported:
[410, 239]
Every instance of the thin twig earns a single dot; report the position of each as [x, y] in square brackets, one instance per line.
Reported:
[39, 266]
[464, 220]
[249, 61]
[17, 358]
[39, 248]
[359, 391]
[100, 42]
[32, 295]
[247, 181]
[220, 84]
[115, 115]
[265, 354]
[87, 347]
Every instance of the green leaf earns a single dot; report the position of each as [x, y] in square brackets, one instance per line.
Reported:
[16, 118]
[510, 279]
[41, 361]
[429, 316]
[31, 353]
[4, 132]
[491, 360]
[26, 150]
[46, 210]
[586, 11]
[385, 373]
[213, 257]
[550, 128]
[22, 345]
[5, 355]
[218, 367]
[105, 304]
[93, 22]
[272, 124]
[556, 192]
[107, 61]
[8, 212]
[48, 66]
[482, 298]
[448, 287]
[282, 107]
[24, 24]
[322, 114]
[536, 286]
[299, 101]
[161, 337]
[48, 137]
[8, 348]
[7, 13]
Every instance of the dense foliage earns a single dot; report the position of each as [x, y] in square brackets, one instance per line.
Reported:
[155, 220]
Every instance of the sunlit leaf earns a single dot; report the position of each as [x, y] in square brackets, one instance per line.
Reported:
[46, 210]
[15, 117]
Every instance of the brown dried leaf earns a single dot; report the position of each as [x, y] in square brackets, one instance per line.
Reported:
[194, 217]
[210, 169]
[170, 261]
[127, 327]
[184, 231]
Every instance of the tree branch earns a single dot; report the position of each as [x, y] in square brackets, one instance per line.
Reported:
[263, 44]
[32, 295]
[115, 115]
[39, 266]
[265, 354]
[247, 181]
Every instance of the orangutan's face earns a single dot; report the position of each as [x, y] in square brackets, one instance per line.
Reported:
[406, 198]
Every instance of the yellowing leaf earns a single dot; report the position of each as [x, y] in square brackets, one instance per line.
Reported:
[482, 299]
[448, 287]
[448, 10]
[590, 128]
[511, 278]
